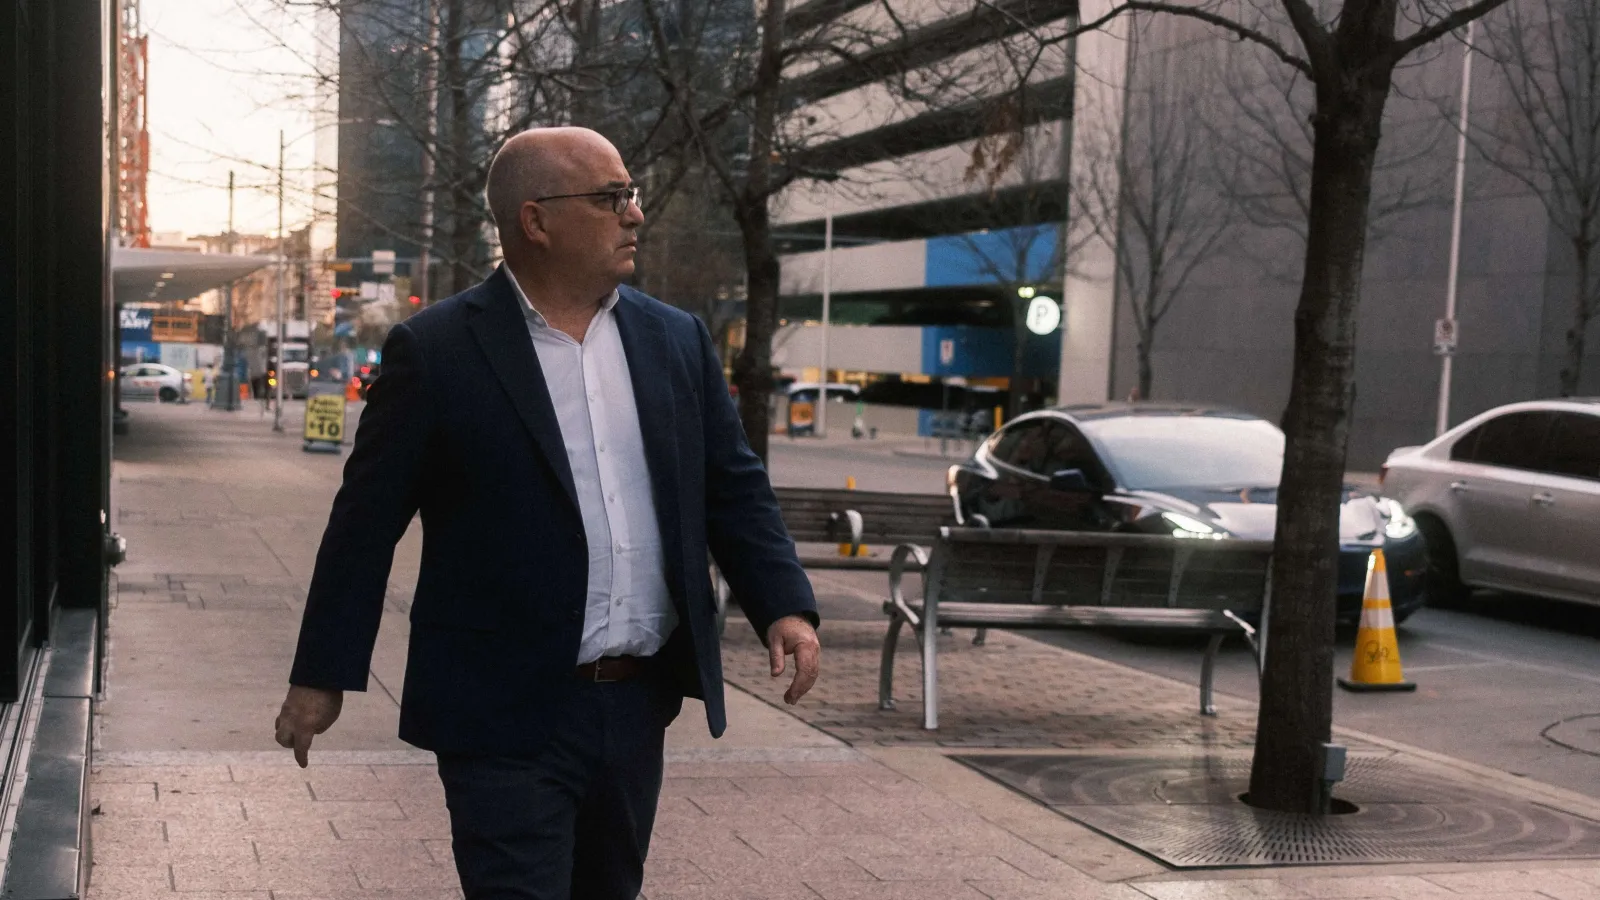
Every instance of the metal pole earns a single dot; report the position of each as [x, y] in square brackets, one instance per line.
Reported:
[430, 90]
[278, 370]
[1448, 358]
[228, 353]
[821, 429]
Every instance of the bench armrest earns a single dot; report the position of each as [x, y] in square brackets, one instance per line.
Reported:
[897, 571]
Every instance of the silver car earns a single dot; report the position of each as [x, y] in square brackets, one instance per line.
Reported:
[1508, 500]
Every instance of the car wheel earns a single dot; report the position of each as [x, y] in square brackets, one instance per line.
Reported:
[1442, 577]
[168, 395]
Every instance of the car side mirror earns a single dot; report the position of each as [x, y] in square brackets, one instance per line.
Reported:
[1071, 481]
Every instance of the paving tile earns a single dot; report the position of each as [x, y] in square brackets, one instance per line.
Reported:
[123, 792]
[176, 807]
[328, 849]
[179, 775]
[1255, 889]
[1083, 889]
[780, 871]
[940, 868]
[139, 832]
[681, 770]
[213, 876]
[112, 881]
[895, 890]
[165, 893]
[312, 811]
[388, 830]
[1361, 887]
[672, 871]
[381, 894]
[1551, 883]
[408, 875]
[769, 891]
[1589, 875]
[230, 848]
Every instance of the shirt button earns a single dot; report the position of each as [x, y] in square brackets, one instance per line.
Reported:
[601, 448]
[619, 548]
[619, 601]
[612, 497]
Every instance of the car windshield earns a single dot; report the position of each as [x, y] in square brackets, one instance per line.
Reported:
[1163, 452]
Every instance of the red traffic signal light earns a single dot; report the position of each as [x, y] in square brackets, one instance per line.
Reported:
[415, 300]
[337, 293]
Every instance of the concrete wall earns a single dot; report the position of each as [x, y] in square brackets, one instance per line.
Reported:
[887, 349]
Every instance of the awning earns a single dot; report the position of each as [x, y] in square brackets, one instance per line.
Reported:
[139, 275]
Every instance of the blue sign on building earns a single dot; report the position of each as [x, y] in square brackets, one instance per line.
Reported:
[135, 324]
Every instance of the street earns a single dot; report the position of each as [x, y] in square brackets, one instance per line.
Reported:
[1499, 683]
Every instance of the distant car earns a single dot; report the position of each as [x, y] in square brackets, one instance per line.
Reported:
[1510, 500]
[1170, 469]
[154, 380]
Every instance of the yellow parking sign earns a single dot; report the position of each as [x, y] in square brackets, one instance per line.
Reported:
[325, 418]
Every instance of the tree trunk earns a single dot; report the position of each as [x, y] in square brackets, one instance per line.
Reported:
[1296, 713]
[1019, 350]
[1582, 312]
[752, 371]
[464, 216]
[1147, 375]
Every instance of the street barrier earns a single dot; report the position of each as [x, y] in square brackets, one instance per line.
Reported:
[1376, 665]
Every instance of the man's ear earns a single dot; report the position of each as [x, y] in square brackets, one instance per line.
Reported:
[530, 218]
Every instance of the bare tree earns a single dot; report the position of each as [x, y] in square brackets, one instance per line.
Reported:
[1157, 197]
[745, 105]
[1348, 51]
[1548, 138]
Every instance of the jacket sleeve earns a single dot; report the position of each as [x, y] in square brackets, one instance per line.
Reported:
[744, 528]
[380, 494]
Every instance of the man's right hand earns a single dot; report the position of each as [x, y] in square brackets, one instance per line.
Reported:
[307, 712]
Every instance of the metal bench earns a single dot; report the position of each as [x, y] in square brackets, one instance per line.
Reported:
[1057, 580]
[854, 519]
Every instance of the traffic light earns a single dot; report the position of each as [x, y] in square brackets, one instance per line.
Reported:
[415, 300]
[337, 293]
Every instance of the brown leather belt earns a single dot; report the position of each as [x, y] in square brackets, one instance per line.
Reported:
[614, 668]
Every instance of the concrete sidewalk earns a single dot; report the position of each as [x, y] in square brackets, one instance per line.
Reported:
[833, 800]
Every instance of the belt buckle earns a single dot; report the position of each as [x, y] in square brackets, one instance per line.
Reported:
[598, 665]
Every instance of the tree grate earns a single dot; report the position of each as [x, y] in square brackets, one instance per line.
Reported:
[1185, 812]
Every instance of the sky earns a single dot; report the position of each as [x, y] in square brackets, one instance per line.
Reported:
[225, 77]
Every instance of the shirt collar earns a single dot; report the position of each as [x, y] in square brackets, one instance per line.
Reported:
[537, 318]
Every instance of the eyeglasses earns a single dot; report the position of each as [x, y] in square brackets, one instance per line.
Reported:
[620, 198]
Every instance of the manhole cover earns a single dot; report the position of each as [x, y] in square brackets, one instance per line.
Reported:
[1184, 813]
[1580, 733]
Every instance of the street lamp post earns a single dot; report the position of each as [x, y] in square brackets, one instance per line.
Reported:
[1446, 348]
[278, 370]
[827, 294]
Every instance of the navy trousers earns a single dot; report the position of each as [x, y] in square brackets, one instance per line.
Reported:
[572, 822]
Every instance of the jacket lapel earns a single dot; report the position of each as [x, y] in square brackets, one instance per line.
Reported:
[502, 332]
[649, 352]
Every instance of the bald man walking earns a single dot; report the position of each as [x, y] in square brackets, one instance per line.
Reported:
[574, 454]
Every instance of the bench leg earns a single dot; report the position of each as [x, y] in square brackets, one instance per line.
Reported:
[1208, 670]
[930, 668]
[981, 638]
[886, 666]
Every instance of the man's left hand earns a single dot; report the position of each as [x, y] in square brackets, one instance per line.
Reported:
[793, 635]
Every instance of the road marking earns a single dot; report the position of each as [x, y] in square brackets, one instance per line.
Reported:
[1448, 666]
[1504, 660]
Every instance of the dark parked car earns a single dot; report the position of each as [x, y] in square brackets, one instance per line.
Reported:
[1167, 469]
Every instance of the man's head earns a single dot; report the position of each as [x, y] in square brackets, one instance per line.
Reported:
[553, 195]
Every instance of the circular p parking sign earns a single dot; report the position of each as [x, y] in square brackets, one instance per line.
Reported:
[1044, 315]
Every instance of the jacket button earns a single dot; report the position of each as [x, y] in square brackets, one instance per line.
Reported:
[575, 615]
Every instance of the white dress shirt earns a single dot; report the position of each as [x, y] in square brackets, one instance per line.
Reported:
[629, 610]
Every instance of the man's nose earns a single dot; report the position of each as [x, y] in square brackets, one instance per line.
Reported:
[633, 216]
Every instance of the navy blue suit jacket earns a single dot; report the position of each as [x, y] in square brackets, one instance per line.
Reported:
[460, 428]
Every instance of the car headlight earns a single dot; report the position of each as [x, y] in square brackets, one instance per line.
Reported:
[1400, 525]
[1189, 527]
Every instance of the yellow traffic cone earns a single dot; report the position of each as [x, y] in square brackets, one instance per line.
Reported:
[1376, 666]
